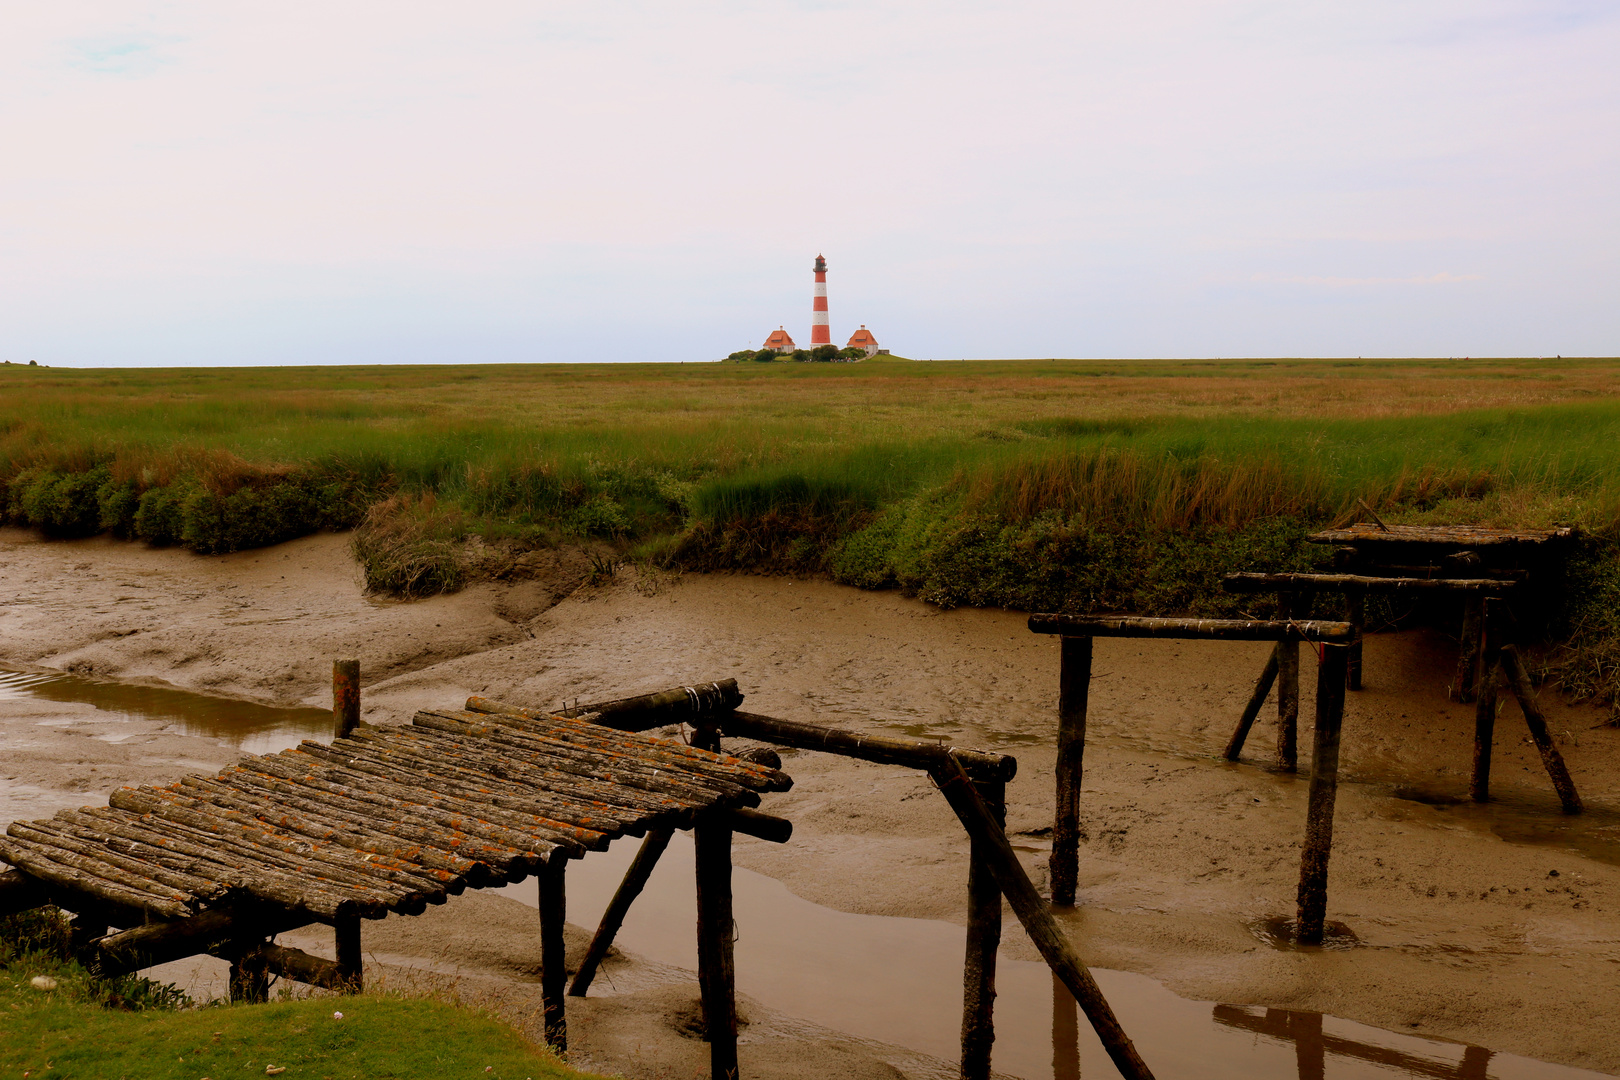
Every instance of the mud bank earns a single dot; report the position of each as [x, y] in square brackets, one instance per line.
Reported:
[1496, 925]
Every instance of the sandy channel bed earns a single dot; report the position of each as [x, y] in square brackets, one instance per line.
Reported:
[1467, 932]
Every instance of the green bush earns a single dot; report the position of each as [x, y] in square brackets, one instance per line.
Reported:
[60, 504]
[824, 353]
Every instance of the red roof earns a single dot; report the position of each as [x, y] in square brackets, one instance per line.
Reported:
[779, 340]
[862, 339]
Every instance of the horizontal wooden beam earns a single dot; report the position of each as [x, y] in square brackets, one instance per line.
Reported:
[885, 749]
[1258, 583]
[672, 706]
[163, 942]
[1337, 633]
[300, 966]
[763, 826]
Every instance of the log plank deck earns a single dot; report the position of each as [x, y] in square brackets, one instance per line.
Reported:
[388, 819]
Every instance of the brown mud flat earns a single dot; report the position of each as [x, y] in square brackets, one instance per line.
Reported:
[1497, 925]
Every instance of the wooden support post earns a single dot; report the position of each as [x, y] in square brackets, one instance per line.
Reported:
[1355, 605]
[1313, 863]
[717, 977]
[250, 976]
[1469, 653]
[1065, 1033]
[1037, 918]
[553, 953]
[1536, 721]
[1262, 690]
[1485, 707]
[983, 939]
[89, 924]
[349, 957]
[635, 879]
[1074, 688]
[21, 892]
[1287, 690]
[345, 696]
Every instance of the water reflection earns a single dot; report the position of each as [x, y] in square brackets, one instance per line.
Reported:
[252, 728]
[1313, 1045]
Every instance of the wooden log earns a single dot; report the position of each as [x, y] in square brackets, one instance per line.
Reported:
[1260, 583]
[379, 818]
[45, 834]
[350, 960]
[553, 954]
[205, 829]
[492, 783]
[673, 706]
[1074, 689]
[1519, 679]
[1355, 613]
[1313, 863]
[272, 884]
[277, 823]
[164, 942]
[717, 979]
[604, 780]
[233, 829]
[345, 696]
[645, 748]
[1037, 919]
[1257, 701]
[605, 760]
[300, 966]
[1469, 643]
[635, 879]
[983, 939]
[1200, 629]
[45, 845]
[57, 875]
[884, 749]
[767, 827]
[1287, 760]
[1485, 709]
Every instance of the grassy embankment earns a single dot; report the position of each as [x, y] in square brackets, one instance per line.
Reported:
[133, 1029]
[1032, 484]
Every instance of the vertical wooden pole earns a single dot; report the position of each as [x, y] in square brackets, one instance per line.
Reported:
[1519, 680]
[89, 923]
[1355, 605]
[1074, 689]
[1479, 784]
[1065, 1033]
[1468, 654]
[1037, 918]
[635, 879]
[983, 939]
[1257, 699]
[1313, 863]
[717, 977]
[349, 958]
[553, 952]
[250, 976]
[1287, 690]
[1475, 1064]
[345, 696]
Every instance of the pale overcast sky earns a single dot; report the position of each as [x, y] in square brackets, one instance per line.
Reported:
[294, 182]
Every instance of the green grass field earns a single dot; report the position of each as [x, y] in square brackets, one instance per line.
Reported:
[1081, 485]
[132, 1029]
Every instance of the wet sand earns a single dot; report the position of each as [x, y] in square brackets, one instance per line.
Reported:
[1466, 932]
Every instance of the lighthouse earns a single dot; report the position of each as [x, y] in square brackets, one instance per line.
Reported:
[820, 332]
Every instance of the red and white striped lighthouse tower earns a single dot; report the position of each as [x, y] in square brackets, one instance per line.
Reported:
[820, 332]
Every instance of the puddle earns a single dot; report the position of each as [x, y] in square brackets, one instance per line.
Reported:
[251, 728]
[899, 981]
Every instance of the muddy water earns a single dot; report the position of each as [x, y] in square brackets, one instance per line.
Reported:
[898, 980]
[251, 728]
